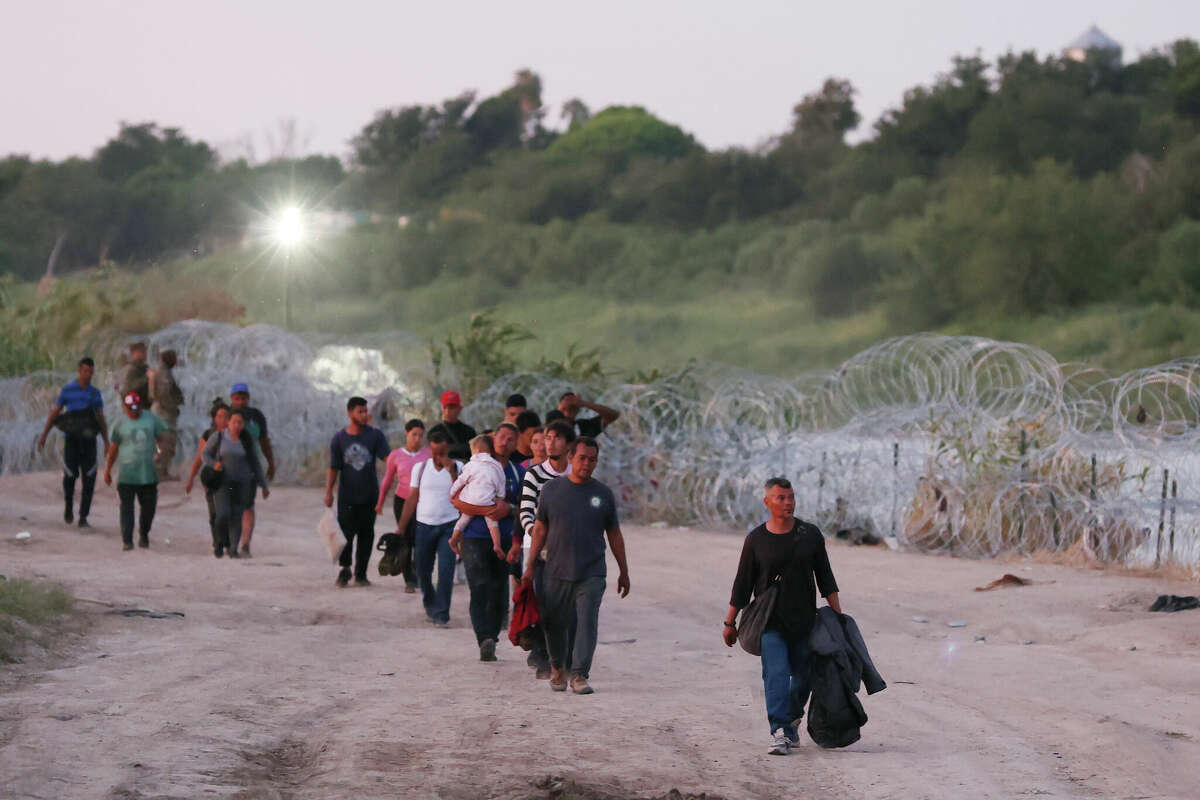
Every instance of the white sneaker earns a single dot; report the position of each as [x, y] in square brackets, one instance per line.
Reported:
[780, 745]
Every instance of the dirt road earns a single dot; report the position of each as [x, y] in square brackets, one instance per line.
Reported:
[275, 684]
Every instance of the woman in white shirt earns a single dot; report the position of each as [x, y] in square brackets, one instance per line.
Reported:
[429, 503]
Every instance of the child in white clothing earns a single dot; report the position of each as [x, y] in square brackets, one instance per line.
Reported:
[481, 483]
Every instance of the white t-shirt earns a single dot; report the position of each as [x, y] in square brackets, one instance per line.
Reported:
[433, 504]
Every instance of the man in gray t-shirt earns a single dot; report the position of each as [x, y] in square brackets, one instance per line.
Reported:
[574, 514]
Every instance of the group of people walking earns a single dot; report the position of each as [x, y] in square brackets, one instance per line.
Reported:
[517, 505]
[234, 459]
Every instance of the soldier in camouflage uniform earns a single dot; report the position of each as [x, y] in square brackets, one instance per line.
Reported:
[167, 398]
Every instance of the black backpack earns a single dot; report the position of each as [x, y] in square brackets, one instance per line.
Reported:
[397, 553]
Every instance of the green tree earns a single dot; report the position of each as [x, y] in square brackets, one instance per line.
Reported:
[620, 133]
[931, 124]
[1185, 79]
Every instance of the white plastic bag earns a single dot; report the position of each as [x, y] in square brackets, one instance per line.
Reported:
[331, 534]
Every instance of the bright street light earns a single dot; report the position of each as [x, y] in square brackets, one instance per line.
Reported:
[288, 231]
[289, 227]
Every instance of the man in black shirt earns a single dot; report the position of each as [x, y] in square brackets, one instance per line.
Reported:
[514, 406]
[794, 552]
[569, 405]
[526, 422]
[352, 455]
[459, 433]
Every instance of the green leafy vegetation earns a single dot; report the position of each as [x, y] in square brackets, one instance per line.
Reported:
[1040, 199]
[29, 612]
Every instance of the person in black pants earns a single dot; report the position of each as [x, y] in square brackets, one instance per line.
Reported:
[219, 413]
[134, 440]
[352, 455]
[79, 413]
[487, 573]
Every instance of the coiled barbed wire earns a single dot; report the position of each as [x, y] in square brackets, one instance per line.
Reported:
[947, 444]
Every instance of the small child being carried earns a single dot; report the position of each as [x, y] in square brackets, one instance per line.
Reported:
[481, 483]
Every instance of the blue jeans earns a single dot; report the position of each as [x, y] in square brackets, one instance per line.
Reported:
[785, 663]
[433, 542]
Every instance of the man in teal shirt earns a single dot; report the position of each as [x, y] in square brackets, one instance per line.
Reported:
[134, 442]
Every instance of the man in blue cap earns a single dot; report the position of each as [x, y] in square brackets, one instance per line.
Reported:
[256, 423]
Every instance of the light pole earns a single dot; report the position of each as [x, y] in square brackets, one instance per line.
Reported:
[289, 232]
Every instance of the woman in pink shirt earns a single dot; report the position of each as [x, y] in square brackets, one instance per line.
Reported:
[400, 463]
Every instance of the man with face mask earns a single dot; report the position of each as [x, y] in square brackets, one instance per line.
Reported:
[134, 442]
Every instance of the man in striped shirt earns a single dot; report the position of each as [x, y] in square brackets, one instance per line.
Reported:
[557, 437]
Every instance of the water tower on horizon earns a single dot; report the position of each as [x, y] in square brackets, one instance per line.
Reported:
[1093, 39]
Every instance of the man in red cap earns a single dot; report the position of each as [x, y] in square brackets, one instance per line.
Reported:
[459, 433]
[134, 441]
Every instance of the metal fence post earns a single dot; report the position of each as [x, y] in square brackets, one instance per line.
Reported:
[1174, 500]
[1162, 519]
[895, 482]
[821, 483]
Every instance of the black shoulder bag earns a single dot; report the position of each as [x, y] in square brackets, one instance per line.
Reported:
[756, 615]
[211, 478]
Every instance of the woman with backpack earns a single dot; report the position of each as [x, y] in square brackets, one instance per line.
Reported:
[233, 455]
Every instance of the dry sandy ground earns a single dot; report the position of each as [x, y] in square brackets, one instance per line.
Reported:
[278, 685]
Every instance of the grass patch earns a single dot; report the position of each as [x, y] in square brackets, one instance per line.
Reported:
[29, 613]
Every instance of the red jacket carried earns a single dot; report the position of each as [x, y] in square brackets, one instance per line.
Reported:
[526, 620]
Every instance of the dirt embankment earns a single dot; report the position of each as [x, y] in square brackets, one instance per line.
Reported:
[274, 684]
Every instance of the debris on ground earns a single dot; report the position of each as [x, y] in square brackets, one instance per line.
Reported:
[23, 535]
[1175, 602]
[554, 787]
[1007, 579]
[957, 624]
[854, 527]
[144, 612]
[859, 536]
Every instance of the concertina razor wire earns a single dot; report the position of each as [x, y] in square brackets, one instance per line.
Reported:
[960, 445]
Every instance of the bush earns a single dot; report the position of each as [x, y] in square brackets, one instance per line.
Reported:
[29, 612]
[1175, 276]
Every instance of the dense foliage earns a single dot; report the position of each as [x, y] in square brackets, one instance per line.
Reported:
[1024, 187]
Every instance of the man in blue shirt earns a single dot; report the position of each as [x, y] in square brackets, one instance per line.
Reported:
[487, 574]
[79, 414]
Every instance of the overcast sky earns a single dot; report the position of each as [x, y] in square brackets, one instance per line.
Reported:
[728, 72]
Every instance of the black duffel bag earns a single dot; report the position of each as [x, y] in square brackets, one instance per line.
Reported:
[397, 553]
[755, 617]
[210, 477]
[78, 423]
